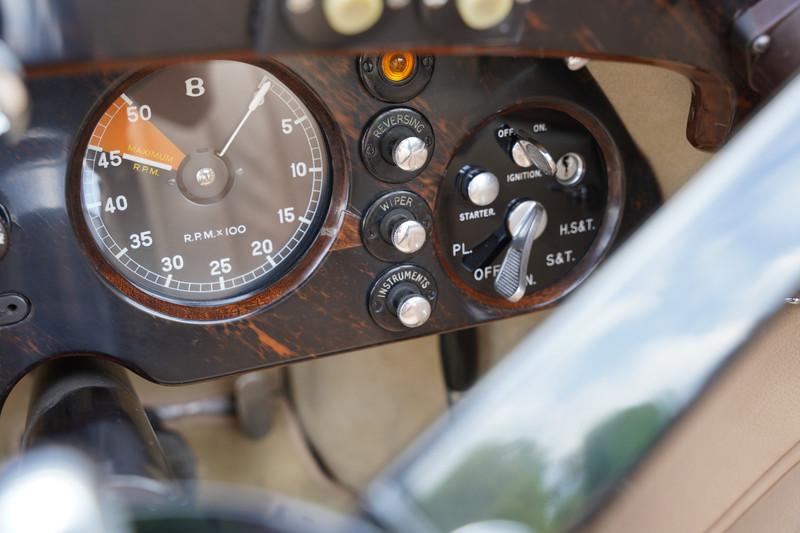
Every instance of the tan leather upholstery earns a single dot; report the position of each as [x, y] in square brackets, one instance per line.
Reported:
[730, 449]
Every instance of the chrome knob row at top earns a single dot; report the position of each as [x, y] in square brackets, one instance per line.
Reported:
[354, 17]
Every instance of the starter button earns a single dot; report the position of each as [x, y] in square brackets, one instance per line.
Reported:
[478, 185]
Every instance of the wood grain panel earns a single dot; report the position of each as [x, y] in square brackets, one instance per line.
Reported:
[78, 309]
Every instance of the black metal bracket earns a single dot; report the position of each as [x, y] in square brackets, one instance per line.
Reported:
[767, 40]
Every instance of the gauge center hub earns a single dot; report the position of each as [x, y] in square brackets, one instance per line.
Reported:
[204, 177]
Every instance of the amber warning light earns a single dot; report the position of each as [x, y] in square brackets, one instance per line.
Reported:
[398, 67]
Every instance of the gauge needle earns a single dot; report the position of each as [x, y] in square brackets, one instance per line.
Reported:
[257, 100]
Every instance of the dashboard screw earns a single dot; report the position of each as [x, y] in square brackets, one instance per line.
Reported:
[760, 44]
[370, 150]
[14, 308]
[367, 65]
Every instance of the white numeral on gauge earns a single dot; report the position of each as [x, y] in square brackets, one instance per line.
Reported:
[195, 87]
[139, 112]
[114, 159]
[116, 203]
[299, 170]
[168, 264]
[139, 240]
[221, 266]
[286, 126]
[261, 247]
[286, 215]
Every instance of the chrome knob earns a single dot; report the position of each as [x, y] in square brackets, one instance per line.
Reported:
[526, 223]
[479, 186]
[410, 154]
[529, 153]
[414, 311]
[409, 236]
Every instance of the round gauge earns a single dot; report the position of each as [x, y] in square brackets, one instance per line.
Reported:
[205, 182]
[513, 232]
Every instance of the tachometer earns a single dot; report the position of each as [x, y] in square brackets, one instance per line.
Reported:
[204, 182]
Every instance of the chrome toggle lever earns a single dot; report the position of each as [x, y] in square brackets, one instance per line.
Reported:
[526, 223]
[527, 152]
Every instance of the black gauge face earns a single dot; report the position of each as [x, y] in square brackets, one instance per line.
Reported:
[475, 239]
[206, 181]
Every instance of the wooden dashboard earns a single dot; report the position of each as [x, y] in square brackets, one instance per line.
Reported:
[323, 308]
[484, 89]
